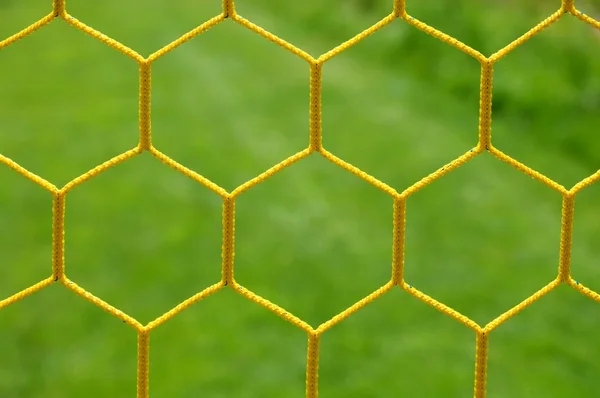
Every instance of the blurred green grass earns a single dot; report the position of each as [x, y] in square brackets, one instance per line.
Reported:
[313, 238]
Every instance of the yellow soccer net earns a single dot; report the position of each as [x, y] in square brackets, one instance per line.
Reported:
[315, 65]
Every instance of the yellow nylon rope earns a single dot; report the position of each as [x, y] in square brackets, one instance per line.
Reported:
[315, 145]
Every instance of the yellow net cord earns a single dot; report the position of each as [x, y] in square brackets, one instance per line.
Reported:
[315, 145]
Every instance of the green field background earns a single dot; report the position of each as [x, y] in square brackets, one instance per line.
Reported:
[314, 239]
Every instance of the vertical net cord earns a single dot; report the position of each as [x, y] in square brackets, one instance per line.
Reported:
[399, 231]
[399, 8]
[485, 106]
[58, 236]
[481, 357]
[144, 106]
[228, 240]
[228, 8]
[566, 236]
[568, 5]
[312, 365]
[143, 363]
[315, 107]
[58, 8]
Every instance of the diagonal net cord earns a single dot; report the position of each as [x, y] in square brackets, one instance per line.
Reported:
[484, 143]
